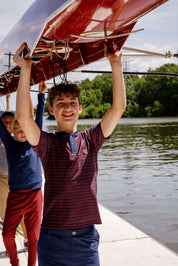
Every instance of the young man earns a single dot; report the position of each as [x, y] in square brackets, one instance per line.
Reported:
[69, 158]
[25, 180]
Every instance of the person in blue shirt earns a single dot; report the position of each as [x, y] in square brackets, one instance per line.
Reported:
[7, 118]
[25, 181]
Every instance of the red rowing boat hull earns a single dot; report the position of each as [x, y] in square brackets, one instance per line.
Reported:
[64, 35]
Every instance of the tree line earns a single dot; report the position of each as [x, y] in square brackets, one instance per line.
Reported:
[147, 96]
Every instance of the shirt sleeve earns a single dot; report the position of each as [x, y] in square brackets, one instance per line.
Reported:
[43, 146]
[40, 110]
[95, 135]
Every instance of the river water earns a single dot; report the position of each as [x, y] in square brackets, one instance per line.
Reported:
[138, 174]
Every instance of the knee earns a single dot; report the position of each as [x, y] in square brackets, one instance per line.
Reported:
[33, 236]
[8, 236]
[33, 233]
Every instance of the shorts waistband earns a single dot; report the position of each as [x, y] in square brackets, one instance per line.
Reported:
[68, 232]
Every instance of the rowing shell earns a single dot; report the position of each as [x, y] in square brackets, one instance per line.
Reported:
[65, 35]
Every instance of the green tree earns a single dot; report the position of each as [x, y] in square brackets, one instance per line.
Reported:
[146, 95]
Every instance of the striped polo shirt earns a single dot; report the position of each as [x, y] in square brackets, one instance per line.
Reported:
[70, 168]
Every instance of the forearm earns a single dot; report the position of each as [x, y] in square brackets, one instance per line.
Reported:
[119, 94]
[118, 106]
[31, 108]
[23, 100]
[8, 106]
[40, 110]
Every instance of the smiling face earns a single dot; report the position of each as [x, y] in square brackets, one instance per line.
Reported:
[66, 109]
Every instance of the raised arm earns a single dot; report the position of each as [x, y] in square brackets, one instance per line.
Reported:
[8, 102]
[31, 105]
[41, 104]
[113, 115]
[23, 102]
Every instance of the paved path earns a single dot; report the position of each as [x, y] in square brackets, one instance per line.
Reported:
[121, 244]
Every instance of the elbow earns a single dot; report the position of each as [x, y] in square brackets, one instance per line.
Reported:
[124, 104]
[118, 111]
[123, 107]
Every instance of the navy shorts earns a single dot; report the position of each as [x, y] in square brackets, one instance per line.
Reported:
[61, 247]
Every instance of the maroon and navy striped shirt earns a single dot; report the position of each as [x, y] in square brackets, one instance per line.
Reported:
[70, 168]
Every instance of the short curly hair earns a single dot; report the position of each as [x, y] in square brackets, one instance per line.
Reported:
[58, 89]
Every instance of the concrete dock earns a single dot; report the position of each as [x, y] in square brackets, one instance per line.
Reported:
[121, 244]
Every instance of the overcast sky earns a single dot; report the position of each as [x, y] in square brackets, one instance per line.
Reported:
[160, 35]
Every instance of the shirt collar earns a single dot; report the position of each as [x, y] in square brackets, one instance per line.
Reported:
[67, 134]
